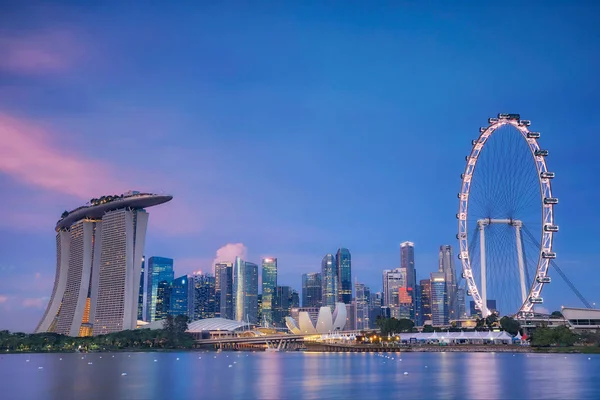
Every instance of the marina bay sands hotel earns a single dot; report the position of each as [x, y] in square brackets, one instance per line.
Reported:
[99, 250]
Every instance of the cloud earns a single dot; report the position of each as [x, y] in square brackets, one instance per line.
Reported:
[39, 302]
[230, 251]
[27, 155]
[40, 53]
[3, 299]
[541, 310]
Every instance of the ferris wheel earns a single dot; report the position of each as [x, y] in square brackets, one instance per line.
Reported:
[507, 208]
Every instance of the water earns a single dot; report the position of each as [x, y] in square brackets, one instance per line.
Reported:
[299, 376]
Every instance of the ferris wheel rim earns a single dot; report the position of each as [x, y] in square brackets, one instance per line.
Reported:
[545, 187]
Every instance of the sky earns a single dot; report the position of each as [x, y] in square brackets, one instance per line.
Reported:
[285, 129]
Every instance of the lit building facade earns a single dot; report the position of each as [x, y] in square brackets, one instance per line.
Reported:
[269, 285]
[204, 303]
[99, 257]
[329, 281]
[393, 280]
[160, 269]
[179, 296]
[245, 291]
[439, 311]
[446, 266]
[311, 290]
[142, 295]
[286, 298]
[343, 265]
[407, 262]
[362, 306]
[425, 294]
[224, 303]
[461, 303]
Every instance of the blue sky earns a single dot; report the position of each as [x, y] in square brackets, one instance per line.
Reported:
[293, 129]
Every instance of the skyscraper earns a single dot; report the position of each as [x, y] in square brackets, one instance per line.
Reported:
[163, 300]
[224, 289]
[407, 260]
[393, 280]
[425, 291]
[329, 281]
[439, 311]
[204, 304]
[362, 305]
[269, 285]
[343, 265]
[245, 291]
[311, 289]
[179, 296]
[446, 266]
[228, 284]
[461, 305]
[286, 298]
[99, 258]
[160, 269]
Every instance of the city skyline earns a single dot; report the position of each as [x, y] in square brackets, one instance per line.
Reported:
[85, 111]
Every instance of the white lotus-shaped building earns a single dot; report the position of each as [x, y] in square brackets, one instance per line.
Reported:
[326, 321]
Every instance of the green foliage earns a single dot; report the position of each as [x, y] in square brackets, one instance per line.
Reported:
[392, 326]
[556, 315]
[559, 336]
[510, 325]
[428, 329]
[177, 338]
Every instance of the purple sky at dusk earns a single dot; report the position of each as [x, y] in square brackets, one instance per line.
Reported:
[290, 129]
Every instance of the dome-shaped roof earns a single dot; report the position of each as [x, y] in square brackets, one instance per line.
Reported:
[215, 324]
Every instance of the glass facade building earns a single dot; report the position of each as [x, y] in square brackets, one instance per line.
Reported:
[141, 315]
[439, 311]
[224, 290]
[446, 266]
[179, 296]
[204, 303]
[329, 281]
[269, 285]
[425, 303]
[245, 291]
[362, 306]
[407, 261]
[311, 289]
[343, 264]
[160, 269]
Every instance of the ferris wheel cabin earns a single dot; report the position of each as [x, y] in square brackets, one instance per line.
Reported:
[551, 228]
[547, 175]
[549, 254]
[543, 279]
[536, 300]
[509, 116]
[550, 200]
[533, 135]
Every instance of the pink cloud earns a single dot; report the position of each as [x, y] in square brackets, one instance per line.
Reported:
[3, 299]
[230, 251]
[39, 302]
[27, 154]
[47, 52]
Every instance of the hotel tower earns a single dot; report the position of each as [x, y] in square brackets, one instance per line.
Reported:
[99, 252]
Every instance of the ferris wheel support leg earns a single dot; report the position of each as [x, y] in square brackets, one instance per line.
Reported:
[520, 260]
[484, 309]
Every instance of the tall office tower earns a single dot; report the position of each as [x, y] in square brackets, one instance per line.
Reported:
[446, 266]
[245, 291]
[204, 297]
[460, 303]
[375, 309]
[343, 266]
[362, 306]
[407, 260]
[439, 311]
[393, 280]
[311, 289]
[350, 317]
[425, 291]
[224, 287]
[160, 269]
[218, 267]
[269, 285]
[286, 298]
[163, 300]
[142, 295]
[179, 296]
[99, 256]
[329, 281]
[406, 303]
[191, 295]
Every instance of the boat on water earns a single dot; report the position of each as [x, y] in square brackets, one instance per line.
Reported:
[272, 349]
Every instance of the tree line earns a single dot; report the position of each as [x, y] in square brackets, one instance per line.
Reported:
[172, 336]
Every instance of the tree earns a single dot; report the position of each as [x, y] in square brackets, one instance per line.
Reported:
[542, 337]
[428, 329]
[510, 325]
[563, 336]
[556, 315]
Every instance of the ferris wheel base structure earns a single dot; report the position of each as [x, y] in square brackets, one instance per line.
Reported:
[528, 298]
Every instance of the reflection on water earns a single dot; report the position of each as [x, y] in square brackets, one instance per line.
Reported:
[242, 375]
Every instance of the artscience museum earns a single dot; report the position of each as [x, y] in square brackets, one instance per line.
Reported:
[326, 321]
